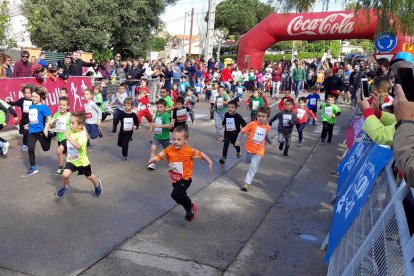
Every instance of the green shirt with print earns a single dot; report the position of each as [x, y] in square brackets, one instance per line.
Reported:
[75, 156]
[328, 111]
[170, 104]
[62, 123]
[221, 107]
[255, 103]
[162, 119]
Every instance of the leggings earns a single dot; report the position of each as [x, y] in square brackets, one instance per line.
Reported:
[179, 193]
[327, 130]
[31, 142]
[227, 140]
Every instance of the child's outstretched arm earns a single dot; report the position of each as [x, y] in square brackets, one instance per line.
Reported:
[208, 160]
[157, 158]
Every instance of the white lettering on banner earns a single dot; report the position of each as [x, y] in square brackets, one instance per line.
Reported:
[319, 26]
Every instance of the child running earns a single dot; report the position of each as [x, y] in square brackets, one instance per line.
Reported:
[143, 110]
[302, 113]
[179, 117]
[220, 110]
[77, 159]
[254, 102]
[180, 160]
[129, 123]
[233, 122]
[60, 122]
[313, 100]
[190, 102]
[24, 103]
[285, 98]
[93, 117]
[255, 145]
[39, 120]
[160, 127]
[329, 113]
[5, 111]
[287, 119]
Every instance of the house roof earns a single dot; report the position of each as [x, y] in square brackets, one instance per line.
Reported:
[186, 37]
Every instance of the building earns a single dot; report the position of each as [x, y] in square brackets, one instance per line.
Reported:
[17, 29]
[179, 46]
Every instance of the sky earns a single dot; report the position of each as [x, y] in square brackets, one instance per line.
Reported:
[174, 15]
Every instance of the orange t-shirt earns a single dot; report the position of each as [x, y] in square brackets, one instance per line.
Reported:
[256, 140]
[180, 161]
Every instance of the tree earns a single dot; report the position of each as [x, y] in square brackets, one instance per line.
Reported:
[125, 26]
[4, 23]
[220, 35]
[239, 16]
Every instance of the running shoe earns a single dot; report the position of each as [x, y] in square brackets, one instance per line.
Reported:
[98, 189]
[24, 148]
[151, 167]
[245, 187]
[61, 192]
[191, 214]
[30, 172]
[222, 160]
[59, 172]
[124, 158]
[239, 155]
[5, 148]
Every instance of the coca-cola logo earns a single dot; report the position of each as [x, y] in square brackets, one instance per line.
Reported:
[334, 23]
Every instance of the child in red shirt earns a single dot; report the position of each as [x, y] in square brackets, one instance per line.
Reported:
[286, 97]
[302, 117]
[175, 93]
[143, 101]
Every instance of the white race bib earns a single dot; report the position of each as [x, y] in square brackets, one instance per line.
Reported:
[141, 106]
[230, 124]
[259, 135]
[220, 102]
[214, 95]
[255, 105]
[301, 113]
[60, 125]
[26, 105]
[128, 123]
[176, 171]
[33, 116]
[286, 119]
[239, 90]
[328, 111]
[158, 130]
[72, 152]
[313, 101]
[198, 89]
[88, 111]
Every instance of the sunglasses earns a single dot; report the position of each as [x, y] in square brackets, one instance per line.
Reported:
[25, 56]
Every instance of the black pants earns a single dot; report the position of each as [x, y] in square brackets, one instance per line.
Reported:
[179, 193]
[24, 132]
[327, 130]
[115, 120]
[212, 111]
[31, 142]
[229, 138]
[123, 141]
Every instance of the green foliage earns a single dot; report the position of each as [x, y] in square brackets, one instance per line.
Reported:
[158, 43]
[125, 26]
[4, 20]
[102, 54]
[366, 44]
[239, 16]
[277, 57]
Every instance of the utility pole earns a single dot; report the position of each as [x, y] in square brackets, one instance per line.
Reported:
[210, 29]
[185, 22]
[191, 32]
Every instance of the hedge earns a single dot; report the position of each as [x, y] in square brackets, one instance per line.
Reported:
[277, 57]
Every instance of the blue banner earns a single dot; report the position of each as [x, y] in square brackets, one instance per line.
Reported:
[354, 192]
[350, 161]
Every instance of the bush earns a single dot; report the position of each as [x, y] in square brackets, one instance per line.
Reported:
[277, 57]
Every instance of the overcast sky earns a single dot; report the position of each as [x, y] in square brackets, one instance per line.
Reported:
[174, 15]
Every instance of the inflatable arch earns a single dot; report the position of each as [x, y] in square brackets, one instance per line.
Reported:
[306, 26]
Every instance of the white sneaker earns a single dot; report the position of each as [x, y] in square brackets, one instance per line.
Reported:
[364, 138]
[6, 148]
[151, 166]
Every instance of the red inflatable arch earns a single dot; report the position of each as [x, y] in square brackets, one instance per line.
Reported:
[306, 26]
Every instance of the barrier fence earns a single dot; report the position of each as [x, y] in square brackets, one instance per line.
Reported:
[372, 228]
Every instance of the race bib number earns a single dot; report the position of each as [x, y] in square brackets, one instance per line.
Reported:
[220, 103]
[158, 130]
[182, 115]
[286, 119]
[313, 101]
[239, 90]
[26, 105]
[141, 106]
[328, 111]
[72, 152]
[214, 95]
[230, 124]
[175, 169]
[301, 113]
[198, 89]
[88, 111]
[255, 105]
[128, 123]
[33, 116]
[60, 125]
[182, 87]
[259, 135]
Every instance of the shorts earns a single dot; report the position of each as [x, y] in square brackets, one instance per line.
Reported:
[93, 130]
[161, 143]
[86, 170]
[65, 147]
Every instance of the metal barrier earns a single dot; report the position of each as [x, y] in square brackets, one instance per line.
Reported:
[379, 241]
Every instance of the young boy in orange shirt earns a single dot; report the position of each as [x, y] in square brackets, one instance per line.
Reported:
[180, 161]
[255, 145]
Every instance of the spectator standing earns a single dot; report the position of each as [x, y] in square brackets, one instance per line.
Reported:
[298, 77]
[65, 65]
[5, 70]
[77, 63]
[23, 68]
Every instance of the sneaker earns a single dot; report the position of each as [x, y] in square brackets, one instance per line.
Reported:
[285, 154]
[98, 189]
[239, 155]
[24, 148]
[30, 172]
[280, 146]
[222, 160]
[219, 138]
[59, 172]
[151, 166]
[6, 148]
[364, 138]
[245, 187]
[322, 140]
[211, 121]
[124, 158]
[191, 214]
[61, 191]
[300, 143]
[100, 133]
[89, 148]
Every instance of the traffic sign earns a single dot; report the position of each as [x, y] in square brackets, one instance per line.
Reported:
[385, 42]
[390, 56]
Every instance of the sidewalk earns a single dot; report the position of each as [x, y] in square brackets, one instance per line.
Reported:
[238, 233]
